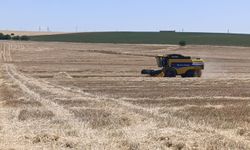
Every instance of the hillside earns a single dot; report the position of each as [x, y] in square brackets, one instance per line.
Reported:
[150, 38]
[29, 33]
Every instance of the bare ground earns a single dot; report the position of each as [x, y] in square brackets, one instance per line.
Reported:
[92, 96]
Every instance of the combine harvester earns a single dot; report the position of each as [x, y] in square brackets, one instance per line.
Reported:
[175, 64]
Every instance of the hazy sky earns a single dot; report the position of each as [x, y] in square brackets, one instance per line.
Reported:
[127, 15]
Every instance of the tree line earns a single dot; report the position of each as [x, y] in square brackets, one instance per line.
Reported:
[12, 36]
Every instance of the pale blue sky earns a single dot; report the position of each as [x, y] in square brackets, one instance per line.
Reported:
[127, 15]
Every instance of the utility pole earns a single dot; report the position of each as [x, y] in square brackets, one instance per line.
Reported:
[39, 29]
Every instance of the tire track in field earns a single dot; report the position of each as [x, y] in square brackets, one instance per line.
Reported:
[6, 52]
[192, 98]
[117, 53]
[3, 52]
[22, 82]
[129, 53]
[8, 58]
[50, 105]
[180, 123]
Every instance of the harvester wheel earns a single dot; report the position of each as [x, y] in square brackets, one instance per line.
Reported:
[192, 73]
[183, 75]
[198, 73]
[189, 74]
[170, 72]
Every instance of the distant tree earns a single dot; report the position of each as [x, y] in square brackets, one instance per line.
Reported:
[182, 43]
[1, 36]
[16, 37]
[24, 38]
[12, 34]
[7, 37]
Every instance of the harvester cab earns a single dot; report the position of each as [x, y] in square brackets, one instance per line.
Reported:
[176, 64]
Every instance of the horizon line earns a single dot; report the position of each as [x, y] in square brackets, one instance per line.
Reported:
[132, 31]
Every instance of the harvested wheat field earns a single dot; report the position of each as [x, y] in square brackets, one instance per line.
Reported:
[92, 96]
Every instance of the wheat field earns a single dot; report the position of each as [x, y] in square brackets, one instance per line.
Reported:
[92, 96]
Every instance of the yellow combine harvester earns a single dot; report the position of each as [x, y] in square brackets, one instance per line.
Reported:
[175, 64]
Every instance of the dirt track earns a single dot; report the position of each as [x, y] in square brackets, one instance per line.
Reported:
[92, 96]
